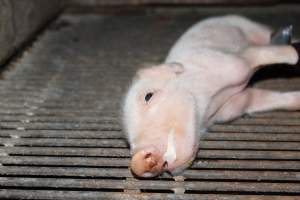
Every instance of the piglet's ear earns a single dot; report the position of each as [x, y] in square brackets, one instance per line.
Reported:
[163, 71]
[176, 67]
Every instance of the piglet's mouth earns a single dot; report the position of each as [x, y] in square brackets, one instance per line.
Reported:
[179, 168]
[153, 173]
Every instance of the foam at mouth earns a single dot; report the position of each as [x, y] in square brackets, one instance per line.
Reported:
[170, 154]
[147, 175]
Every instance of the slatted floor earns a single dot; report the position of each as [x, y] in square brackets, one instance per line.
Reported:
[61, 136]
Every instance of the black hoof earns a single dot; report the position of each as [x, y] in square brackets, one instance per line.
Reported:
[296, 45]
[282, 36]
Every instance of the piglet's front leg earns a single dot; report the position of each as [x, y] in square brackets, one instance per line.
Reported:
[253, 100]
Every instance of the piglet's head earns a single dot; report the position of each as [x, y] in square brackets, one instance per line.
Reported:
[159, 118]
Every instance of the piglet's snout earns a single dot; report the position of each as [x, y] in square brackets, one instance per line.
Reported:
[147, 163]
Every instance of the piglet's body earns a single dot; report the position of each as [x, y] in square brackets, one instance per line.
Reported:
[203, 80]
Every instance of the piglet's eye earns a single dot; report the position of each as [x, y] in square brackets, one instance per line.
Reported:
[148, 96]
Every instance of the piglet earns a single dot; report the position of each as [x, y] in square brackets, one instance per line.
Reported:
[203, 80]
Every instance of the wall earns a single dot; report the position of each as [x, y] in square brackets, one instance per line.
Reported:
[145, 2]
[20, 19]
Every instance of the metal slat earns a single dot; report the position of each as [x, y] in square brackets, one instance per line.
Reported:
[151, 185]
[212, 136]
[60, 112]
[93, 121]
[249, 154]
[242, 175]
[52, 142]
[123, 162]
[72, 172]
[58, 119]
[92, 195]
[64, 161]
[125, 173]
[60, 126]
[215, 136]
[81, 142]
[277, 114]
[247, 164]
[111, 161]
[202, 154]
[231, 136]
[65, 151]
[72, 134]
[249, 145]
[267, 121]
[256, 128]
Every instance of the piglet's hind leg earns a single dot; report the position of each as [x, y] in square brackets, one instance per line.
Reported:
[258, 56]
[265, 100]
[254, 100]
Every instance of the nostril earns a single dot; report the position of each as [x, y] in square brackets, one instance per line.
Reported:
[148, 155]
